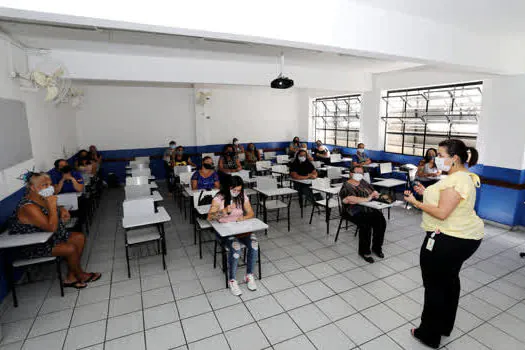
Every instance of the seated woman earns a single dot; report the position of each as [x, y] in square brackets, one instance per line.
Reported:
[228, 163]
[206, 178]
[38, 212]
[360, 158]
[86, 166]
[229, 205]
[237, 146]
[356, 191]
[302, 168]
[94, 154]
[181, 159]
[427, 170]
[321, 152]
[252, 157]
[294, 146]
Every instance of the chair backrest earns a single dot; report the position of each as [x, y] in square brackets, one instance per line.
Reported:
[282, 159]
[243, 174]
[139, 166]
[335, 157]
[280, 169]
[269, 155]
[137, 180]
[68, 200]
[316, 163]
[241, 156]
[136, 191]
[321, 182]
[385, 168]
[138, 207]
[263, 165]
[180, 169]
[197, 195]
[185, 178]
[208, 155]
[141, 172]
[367, 177]
[143, 160]
[266, 183]
[333, 173]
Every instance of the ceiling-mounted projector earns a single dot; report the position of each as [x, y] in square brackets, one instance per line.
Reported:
[281, 82]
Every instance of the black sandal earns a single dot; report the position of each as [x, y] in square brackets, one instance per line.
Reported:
[433, 346]
[93, 277]
[75, 284]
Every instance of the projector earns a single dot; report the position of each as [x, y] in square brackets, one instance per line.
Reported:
[281, 83]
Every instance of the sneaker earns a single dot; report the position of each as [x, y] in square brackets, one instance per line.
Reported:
[250, 281]
[234, 288]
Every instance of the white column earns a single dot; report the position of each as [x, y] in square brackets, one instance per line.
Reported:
[370, 133]
[501, 138]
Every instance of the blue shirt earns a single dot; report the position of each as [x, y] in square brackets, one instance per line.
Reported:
[360, 157]
[56, 176]
[205, 183]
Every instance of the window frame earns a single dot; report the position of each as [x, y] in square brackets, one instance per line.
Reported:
[350, 115]
[448, 116]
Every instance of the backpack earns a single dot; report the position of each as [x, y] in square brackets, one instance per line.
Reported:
[204, 200]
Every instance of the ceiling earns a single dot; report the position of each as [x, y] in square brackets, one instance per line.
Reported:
[151, 44]
[500, 17]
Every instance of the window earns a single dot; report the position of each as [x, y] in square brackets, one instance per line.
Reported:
[336, 120]
[418, 119]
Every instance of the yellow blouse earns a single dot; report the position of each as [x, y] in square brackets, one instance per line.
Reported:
[463, 222]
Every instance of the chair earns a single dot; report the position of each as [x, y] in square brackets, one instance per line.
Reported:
[334, 173]
[141, 172]
[242, 157]
[267, 183]
[332, 202]
[280, 171]
[385, 168]
[137, 180]
[367, 177]
[204, 155]
[269, 155]
[283, 159]
[343, 217]
[200, 224]
[317, 164]
[137, 191]
[143, 207]
[335, 158]
[262, 167]
[139, 166]
[184, 180]
[144, 160]
[180, 169]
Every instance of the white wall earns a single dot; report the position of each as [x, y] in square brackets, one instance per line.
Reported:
[122, 117]
[52, 129]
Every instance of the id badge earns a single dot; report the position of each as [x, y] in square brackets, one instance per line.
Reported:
[430, 244]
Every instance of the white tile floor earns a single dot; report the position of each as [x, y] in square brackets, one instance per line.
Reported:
[314, 294]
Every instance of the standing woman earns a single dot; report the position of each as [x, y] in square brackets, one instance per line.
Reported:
[453, 233]
[252, 157]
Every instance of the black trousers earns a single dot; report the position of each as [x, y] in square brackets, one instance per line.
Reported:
[170, 177]
[368, 221]
[440, 270]
[305, 192]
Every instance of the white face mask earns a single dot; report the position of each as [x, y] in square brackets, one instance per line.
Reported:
[440, 164]
[234, 194]
[236, 143]
[360, 150]
[47, 192]
[302, 159]
[357, 176]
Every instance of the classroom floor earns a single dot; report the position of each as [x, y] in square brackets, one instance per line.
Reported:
[314, 294]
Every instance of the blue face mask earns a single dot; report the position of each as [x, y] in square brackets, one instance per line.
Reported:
[173, 146]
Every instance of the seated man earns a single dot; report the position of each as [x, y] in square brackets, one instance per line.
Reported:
[356, 190]
[65, 179]
[181, 159]
[321, 152]
[302, 169]
[361, 158]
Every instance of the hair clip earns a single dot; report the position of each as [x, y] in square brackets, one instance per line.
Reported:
[27, 175]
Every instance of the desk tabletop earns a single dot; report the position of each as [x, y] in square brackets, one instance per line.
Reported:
[156, 218]
[237, 228]
[305, 181]
[389, 183]
[371, 165]
[376, 205]
[275, 191]
[13, 241]
[329, 190]
[156, 196]
[203, 209]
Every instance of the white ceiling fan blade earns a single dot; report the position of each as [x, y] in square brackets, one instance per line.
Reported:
[52, 93]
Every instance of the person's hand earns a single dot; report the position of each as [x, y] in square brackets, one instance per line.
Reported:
[240, 219]
[67, 176]
[375, 195]
[419, 188]
[64, 214]
[51, 201]
[409, 197]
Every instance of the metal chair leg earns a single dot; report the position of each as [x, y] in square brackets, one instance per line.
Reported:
[312, 215]
[127, 260]
[259, 258]
[215, 255]
[338, 229]
[59, 275]
[163, 260]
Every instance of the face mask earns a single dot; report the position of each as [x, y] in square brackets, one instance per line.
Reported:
[296, 142]
[173, 146]
[179, 152]
[360, 150]
[251, 148]
[236, 143]
[47, 192]
[231, 154]
[302, 159]
[234, 194]
[319, 145]
[66, 169]
[440, 164]
[357, 176]
[208, 166]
